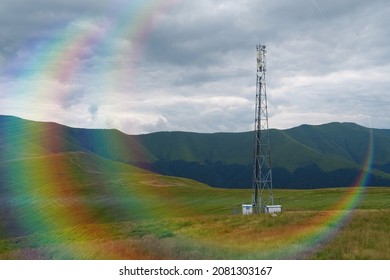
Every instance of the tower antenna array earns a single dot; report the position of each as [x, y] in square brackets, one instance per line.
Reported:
[262, 174]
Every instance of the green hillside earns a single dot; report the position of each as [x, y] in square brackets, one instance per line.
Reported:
[76, 205]
[70, 193]
[228, 148]
[329, 155]
[339, 144]
[63, 190]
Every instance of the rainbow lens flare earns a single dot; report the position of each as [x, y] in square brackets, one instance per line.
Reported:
[60, 201]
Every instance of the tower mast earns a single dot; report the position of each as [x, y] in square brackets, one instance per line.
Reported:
[262, 174]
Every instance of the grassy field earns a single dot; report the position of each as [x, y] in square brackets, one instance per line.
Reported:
[91, 208]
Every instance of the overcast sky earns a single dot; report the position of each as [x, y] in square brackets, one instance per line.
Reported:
[145, 66]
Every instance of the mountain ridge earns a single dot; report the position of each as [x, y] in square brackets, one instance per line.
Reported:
[307, 156]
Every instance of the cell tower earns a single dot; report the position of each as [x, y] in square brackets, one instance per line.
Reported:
[262, 174]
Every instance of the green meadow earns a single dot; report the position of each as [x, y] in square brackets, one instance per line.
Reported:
[91, 208]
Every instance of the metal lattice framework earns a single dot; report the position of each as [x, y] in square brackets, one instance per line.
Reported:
[262, 174]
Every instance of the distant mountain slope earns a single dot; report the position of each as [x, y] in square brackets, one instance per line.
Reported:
[22, 138]
[329, 155]
[307, 156]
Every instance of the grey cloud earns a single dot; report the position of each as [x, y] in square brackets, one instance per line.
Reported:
[199, 34]
[93, 111]
[71, 98]
[195, 70]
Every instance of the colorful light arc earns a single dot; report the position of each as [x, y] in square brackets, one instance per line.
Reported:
[62, 59]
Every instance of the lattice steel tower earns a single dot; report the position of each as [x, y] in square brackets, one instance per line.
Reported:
[262, 174]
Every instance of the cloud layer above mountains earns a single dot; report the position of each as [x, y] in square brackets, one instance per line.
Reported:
[144, 66]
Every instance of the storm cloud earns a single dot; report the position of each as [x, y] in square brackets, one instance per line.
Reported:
[185, 65]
